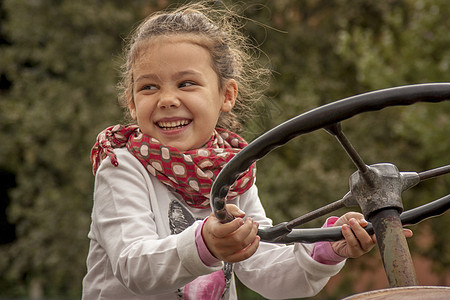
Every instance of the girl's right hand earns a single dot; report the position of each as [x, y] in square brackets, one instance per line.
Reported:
[234, 241]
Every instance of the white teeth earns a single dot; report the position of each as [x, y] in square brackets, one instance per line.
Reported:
[166, 125]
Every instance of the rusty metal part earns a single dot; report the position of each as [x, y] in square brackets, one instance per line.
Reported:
[393, 248]
[405, 293]
[383, 192]
[381, 203]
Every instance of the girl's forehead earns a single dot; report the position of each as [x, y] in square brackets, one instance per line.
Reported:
[172, 55]
[153, 43]
[147, 49]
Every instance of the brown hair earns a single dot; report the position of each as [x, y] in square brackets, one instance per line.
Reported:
[232, 55]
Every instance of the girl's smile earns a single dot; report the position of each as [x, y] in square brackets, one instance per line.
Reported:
[177, 98]
[172, 125]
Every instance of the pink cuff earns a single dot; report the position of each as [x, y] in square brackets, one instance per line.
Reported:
[205, 255]
[323, 252]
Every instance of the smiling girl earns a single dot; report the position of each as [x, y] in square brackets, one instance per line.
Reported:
[176, 95]
[188, 81]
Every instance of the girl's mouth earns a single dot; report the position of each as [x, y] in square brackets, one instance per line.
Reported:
[171, 125]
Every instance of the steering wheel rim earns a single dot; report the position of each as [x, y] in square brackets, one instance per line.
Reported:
[315, 119]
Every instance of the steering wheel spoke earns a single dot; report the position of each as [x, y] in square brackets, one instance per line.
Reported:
[336, 130]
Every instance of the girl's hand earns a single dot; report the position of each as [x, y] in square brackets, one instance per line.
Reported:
[357, 240]
[234, 241]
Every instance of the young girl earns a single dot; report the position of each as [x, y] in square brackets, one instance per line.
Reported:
[152, 234]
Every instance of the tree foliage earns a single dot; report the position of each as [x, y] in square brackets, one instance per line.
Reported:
[58, 69]
[59, 60]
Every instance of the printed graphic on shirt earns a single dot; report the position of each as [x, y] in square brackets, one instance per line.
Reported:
[212, 286]
[179, 217]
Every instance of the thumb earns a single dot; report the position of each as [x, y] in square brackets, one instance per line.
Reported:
[235, 211]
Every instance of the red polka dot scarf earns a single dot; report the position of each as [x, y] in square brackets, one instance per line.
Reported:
[190, 173]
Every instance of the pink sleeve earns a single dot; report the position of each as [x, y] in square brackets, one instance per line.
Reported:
[205, 255]
[323, 252]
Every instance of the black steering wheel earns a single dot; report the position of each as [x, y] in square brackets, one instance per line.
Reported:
[329, 117]
[376, 189]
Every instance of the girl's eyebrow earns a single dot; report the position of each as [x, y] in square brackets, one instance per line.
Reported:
[186, 73]
[175, 76]
[146, 76]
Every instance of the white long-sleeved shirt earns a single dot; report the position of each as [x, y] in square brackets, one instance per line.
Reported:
[142, 246]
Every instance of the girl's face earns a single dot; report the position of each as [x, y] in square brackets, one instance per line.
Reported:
[177, 98]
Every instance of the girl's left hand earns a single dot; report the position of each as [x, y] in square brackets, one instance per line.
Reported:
[357, 241]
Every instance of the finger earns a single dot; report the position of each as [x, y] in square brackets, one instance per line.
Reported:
[374, 238]
[242, 237]
[408, 233]
[354, 215]
[363, 222]
[237, 241]
[365, 240]
[220, 230]
[249, 238]
[347, 216]
[353, 246]
[235, 211]
[246, 252]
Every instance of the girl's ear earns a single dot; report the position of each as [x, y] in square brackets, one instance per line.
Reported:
[230, 94]
[132, 111]
[131, 105]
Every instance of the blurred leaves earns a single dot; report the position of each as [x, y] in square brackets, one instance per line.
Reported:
[59, 57]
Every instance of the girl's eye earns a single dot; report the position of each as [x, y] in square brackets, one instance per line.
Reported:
[148, 87]
[186, 84]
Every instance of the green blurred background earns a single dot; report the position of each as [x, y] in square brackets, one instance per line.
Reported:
[59, 65]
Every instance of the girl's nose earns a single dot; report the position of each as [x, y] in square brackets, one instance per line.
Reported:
[168, 100]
